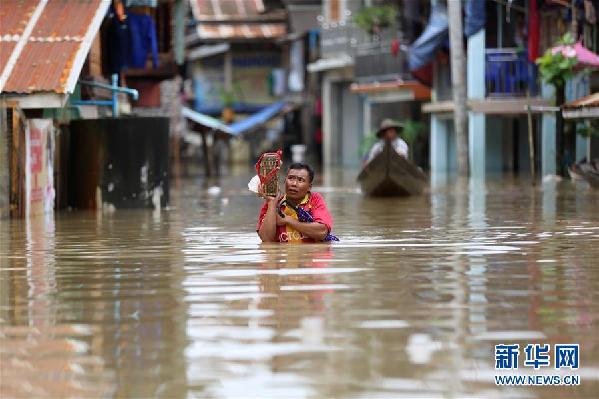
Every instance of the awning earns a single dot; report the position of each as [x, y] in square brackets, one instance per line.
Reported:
[324, 64]
[585, 107]
[243, 126]
[392, 91]
[258, 119]
[205, 120]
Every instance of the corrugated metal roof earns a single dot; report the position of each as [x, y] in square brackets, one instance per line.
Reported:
[588, 101]
[231, 9]
[14, 16]
[52, 52]
[6, 49]
[237, 19]
[241, 31]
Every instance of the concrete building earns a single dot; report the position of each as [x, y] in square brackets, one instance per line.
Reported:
[43, 48]
[364, 78]
[502, 83]
[56, 58]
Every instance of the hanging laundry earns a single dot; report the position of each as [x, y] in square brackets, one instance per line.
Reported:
[395, 47]
[278, 82]
[296, 70]
[534, 30]
[143, 40]
[119, 9]
[119, 48]
[432, 38]
[474, 16]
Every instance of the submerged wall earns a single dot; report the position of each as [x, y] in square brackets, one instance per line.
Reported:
[4, 169]
[119, 162]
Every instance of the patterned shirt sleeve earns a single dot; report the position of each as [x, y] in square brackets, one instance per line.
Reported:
[320, 213]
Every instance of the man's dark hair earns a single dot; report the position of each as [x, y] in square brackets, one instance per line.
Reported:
[300, 166]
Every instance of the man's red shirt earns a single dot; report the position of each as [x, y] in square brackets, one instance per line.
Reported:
[314, 204]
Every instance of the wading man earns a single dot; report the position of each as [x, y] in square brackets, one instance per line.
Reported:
[298, 216]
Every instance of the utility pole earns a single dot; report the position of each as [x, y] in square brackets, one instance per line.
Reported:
[458, 79]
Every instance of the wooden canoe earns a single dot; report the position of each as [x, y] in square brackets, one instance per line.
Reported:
[586, 171]
[390, 174]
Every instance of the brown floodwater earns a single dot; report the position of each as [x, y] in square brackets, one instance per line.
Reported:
[186, 303]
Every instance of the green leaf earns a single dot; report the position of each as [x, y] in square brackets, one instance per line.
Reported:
[373, 18]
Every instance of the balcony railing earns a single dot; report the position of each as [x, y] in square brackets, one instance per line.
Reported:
[372, 53]
[376, 61]
[509, 73]
[338, 39]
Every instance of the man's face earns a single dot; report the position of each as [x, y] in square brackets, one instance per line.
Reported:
[297, 184]
[390, 134]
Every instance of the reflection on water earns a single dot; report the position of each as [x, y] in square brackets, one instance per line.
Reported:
[187, 302]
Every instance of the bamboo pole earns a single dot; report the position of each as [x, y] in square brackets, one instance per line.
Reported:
[458, 80]
[531, 143]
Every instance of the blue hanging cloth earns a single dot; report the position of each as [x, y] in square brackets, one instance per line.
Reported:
[474, 16]
[143, 40]
[436, 32]
[423, 50]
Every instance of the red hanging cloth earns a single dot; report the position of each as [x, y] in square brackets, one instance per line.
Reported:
[534, 32]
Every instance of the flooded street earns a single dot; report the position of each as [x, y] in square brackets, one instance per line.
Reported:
[186, 302]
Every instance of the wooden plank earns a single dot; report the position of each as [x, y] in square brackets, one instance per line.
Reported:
[511, 106]
[4, 162]
[17, 161]
[95, 57]
[438, 106]
[418, 90]
[589, 112]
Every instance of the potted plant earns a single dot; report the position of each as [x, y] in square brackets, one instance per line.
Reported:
[373, 19]
[556, 67]
[410, 132]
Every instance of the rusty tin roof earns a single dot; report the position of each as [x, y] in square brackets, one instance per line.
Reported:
[239, 19]
[43, 44]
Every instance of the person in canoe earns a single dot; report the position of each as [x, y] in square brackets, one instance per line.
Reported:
[299, 215]
[388, 131]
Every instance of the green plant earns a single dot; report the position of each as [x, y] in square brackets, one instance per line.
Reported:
[557, 65]
[367, 143]
[372, 19]
[227, 97]
[411, 131]
[588, 130]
